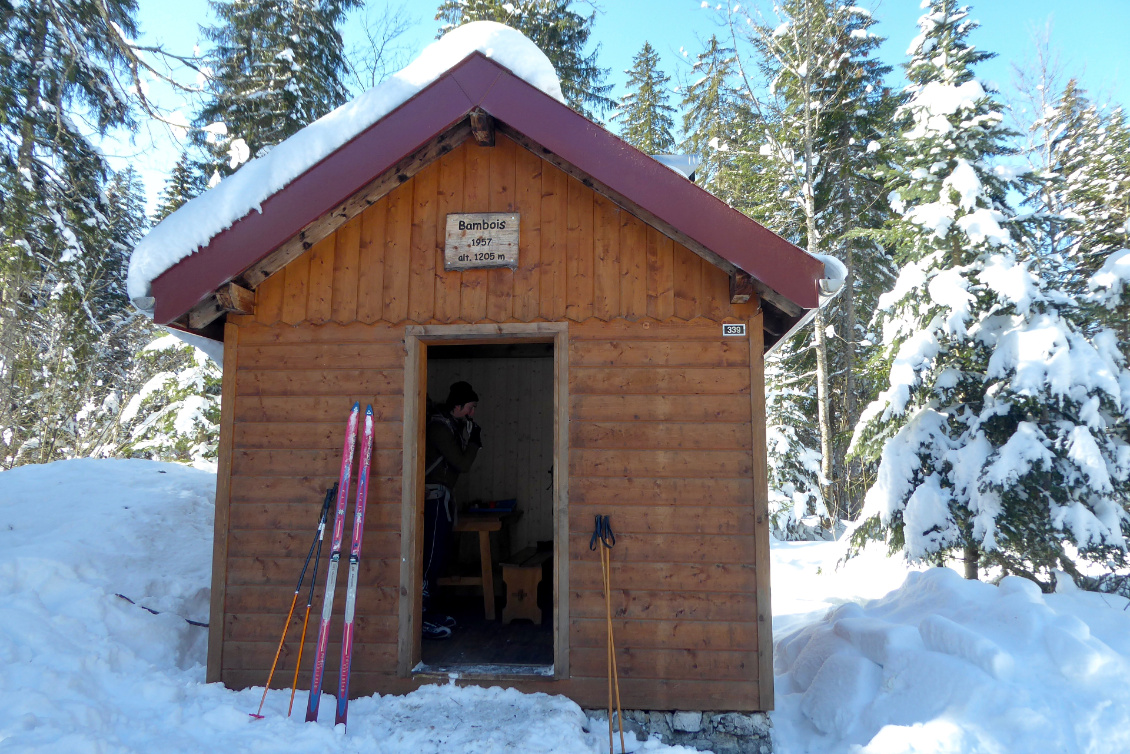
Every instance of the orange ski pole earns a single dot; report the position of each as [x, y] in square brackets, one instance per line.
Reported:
[330, 495]
[302, 643]
[603, 539]
[310, 597]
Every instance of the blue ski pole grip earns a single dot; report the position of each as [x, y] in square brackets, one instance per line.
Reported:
[602, 533]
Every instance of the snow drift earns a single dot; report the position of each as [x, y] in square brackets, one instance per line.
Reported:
[937, 665]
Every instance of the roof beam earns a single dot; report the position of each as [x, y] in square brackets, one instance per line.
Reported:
[482, 127]
[741, 287]
[205, 313]
[227, 299]
[236, 298]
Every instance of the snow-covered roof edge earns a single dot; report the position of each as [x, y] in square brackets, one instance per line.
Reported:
[830, 286]
[683, 164]
[201, 219]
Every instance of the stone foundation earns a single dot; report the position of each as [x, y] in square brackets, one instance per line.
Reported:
[719, 732]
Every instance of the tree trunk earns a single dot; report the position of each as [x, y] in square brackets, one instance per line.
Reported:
[809, 127]
[849, 338]
[823, 413]
[971, 556]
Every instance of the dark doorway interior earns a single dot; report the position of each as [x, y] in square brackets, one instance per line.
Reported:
[514, 383]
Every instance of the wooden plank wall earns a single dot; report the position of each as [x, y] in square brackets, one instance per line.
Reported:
[580, 255]
[660, 430]
[294, 388]
[660, 441]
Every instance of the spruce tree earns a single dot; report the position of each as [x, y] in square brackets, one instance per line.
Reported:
[809, 165]
[62, 65]
[276, 66]
[184, 183]
[645, 115]
[1001, 433]
[1082, 203]
[713, 121]
[173, 410]
[124, 329]
[1090, 172]
[560, 32]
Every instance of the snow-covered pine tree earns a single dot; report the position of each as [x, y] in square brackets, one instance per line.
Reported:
[811, 161]
[184, 183]
[158, 396]
[276, 66]
[558, 30]
[645, 115]
[1081, 199]
[174, 414]
[61, 74]
[124, 330]
[796, 498]
[1002, 432]
[854, 200]
[1091, 177]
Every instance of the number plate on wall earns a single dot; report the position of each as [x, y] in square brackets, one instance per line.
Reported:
[733, 330]
[485, 239]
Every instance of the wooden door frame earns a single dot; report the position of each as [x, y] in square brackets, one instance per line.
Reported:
[417, 338]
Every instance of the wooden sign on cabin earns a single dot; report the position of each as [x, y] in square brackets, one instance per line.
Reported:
[481, 240]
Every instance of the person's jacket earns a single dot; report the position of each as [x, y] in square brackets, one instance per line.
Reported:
[448, 453]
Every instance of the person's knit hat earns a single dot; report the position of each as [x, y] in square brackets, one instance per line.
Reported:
[460, 394]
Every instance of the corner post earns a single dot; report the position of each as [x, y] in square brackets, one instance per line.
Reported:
[761, 557]
[216, 612]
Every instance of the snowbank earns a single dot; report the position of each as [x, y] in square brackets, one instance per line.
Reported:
[85, 670]
[200, 220]
[937, 665]
[944, 665]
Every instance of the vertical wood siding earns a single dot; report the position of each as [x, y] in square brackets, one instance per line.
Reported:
[293, 391]
[581, 256]
[660, 439]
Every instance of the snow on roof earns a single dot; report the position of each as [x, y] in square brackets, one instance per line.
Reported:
[196, 223]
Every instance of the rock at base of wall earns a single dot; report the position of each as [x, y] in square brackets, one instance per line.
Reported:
[719, 732]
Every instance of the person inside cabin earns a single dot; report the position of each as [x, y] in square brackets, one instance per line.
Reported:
[453, 442]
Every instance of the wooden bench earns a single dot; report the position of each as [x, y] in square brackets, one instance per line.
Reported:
[522, 574]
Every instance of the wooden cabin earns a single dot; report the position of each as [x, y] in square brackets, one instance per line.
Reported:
[614, 375]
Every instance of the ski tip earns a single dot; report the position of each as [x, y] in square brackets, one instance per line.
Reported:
[369, 410]
[356, 405]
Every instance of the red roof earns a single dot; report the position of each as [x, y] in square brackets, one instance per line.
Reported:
[785, 275]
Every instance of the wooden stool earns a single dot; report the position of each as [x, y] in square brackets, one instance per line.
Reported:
[522, 576]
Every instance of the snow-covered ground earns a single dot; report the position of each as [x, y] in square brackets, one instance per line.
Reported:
[870, 658]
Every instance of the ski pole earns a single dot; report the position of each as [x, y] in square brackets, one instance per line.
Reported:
[603, 539]
[301, 577]
[330, 495]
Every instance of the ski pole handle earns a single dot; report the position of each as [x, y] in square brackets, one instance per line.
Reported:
[602, 533]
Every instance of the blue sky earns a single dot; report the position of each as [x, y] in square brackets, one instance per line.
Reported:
[1088, 35]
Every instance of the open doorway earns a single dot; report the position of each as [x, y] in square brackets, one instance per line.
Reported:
[500, 581]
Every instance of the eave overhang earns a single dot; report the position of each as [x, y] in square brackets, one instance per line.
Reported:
[785, 277]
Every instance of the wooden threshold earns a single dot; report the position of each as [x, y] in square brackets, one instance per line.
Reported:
[447, 673]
